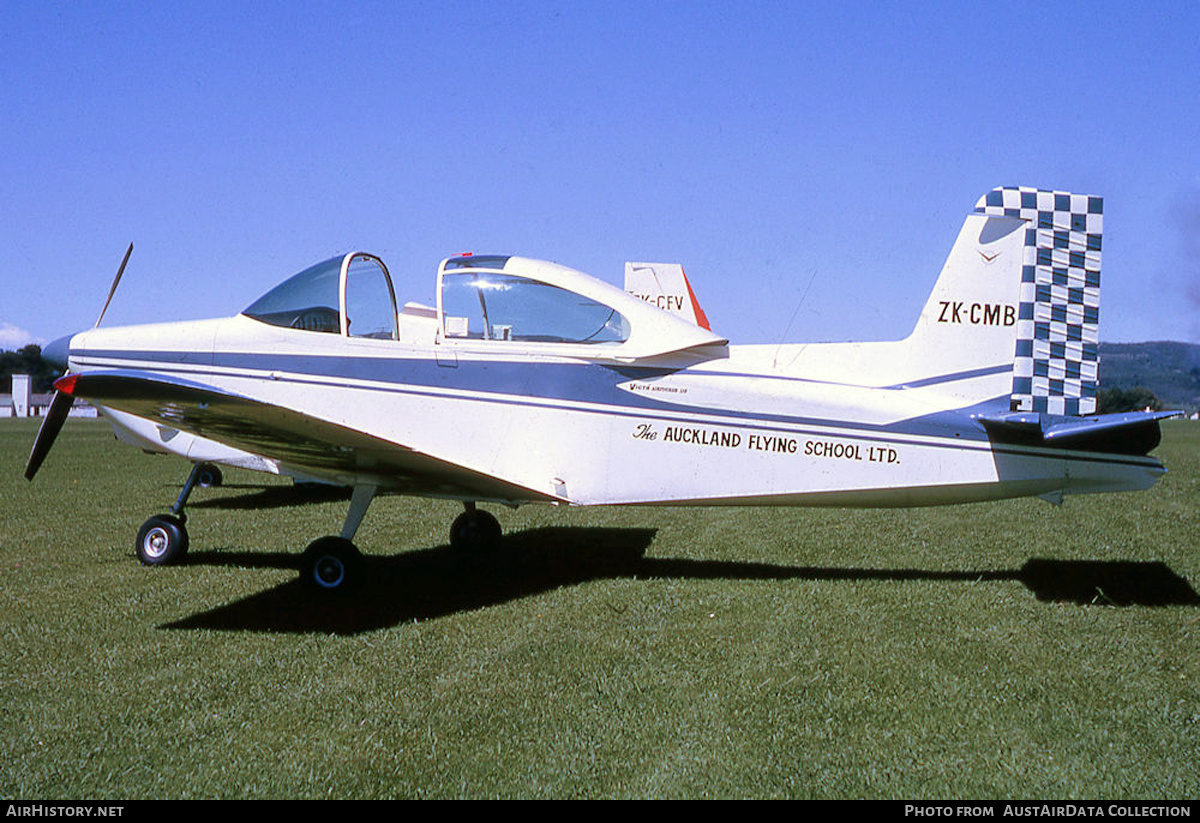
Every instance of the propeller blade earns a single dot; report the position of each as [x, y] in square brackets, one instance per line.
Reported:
[51, 424]
[116, 280]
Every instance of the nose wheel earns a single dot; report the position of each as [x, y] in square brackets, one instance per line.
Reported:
[163, 539]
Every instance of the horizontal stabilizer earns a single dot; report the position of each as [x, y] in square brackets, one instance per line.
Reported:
[1132, 433]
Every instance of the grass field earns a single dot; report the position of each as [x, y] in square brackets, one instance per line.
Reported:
[1005, 650]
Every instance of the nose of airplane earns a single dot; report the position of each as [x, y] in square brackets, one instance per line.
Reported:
[56, 351]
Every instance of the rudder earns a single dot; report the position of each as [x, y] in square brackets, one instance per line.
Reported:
[1056, 358]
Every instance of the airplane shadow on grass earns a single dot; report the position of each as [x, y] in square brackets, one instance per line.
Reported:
[438, 582]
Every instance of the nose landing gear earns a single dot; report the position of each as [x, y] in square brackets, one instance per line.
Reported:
[163, 539]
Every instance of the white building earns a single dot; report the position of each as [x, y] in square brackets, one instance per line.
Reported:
[22, 402]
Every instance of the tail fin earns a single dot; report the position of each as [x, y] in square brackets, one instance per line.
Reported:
[666, 286]
[1019, 294]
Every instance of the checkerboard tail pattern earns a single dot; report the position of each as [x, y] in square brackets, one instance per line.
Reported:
[1057, 325]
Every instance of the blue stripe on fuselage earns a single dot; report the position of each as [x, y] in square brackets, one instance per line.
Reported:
[594, 383]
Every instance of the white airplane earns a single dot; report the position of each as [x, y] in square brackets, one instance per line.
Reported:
[530, 382]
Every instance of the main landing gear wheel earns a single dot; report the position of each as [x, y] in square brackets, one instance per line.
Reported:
[331, 565]
[162, 540]
[475, 532]
[209, 476]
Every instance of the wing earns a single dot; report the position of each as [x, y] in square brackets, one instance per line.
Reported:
[309, 444]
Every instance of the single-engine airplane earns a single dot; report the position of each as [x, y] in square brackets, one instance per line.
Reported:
[530, 382]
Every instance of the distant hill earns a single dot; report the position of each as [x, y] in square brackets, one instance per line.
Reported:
[1170, 370]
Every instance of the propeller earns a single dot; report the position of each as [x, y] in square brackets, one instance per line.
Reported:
[113, 288]
[60, 405]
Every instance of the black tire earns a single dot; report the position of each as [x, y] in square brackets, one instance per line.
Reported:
[475, 532]
[162, 540]
[331, 565]
[209, 476]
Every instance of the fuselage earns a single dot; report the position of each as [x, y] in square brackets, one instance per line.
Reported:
[831, 424]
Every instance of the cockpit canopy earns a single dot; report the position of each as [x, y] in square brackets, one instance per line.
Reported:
[482, 301]
[492, 305]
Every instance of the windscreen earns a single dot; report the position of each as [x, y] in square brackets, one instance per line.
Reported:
[308, 300]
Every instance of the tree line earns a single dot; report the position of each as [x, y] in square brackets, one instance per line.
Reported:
[1117, 399]
[28, 360]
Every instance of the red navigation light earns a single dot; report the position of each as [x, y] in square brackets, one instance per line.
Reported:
[66, 383]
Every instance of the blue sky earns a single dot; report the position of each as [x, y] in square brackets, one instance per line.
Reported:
[809, 164]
